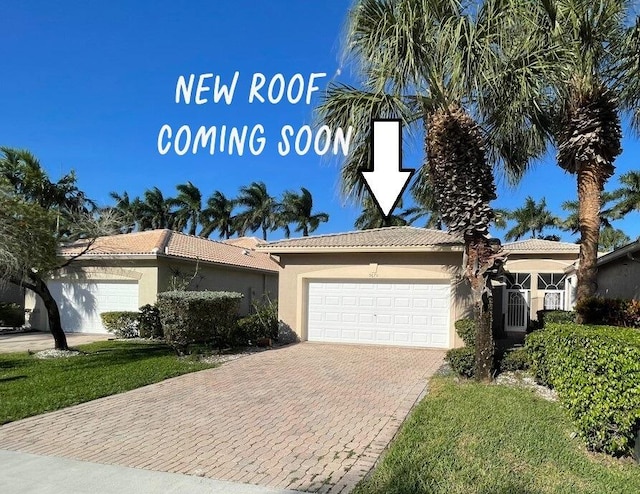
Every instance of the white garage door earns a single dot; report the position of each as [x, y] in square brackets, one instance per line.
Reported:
[81, 303]
[406, 314]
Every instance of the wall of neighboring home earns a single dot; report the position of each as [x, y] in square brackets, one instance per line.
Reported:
[533, 264]
[620, 278]
[300, 269]
[253, 285]
[144, 271]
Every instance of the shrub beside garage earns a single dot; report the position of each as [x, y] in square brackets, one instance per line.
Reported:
[200, 318]
[596, 372]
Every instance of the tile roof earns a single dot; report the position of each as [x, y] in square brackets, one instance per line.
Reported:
[535, 245]
[392, 238]
[173, 244]
[245, 242]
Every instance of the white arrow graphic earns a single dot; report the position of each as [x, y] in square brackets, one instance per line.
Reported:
[387, 179]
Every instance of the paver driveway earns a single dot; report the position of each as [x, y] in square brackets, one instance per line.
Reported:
[311, 417]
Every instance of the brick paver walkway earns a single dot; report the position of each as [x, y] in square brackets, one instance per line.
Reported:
[312, 417]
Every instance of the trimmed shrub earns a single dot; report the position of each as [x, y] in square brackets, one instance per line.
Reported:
[515, 360]
[610, 311]
[536, 349]
[200, 318]
[462, 360]
[121, 323]
[11, 315]
[596, 371]
[555, 316]
[466, 329]
[149, 322]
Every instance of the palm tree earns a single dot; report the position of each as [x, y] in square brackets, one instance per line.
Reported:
[441, 66]
[597, 76]
[298, 209]
[128, 210]
[371, 217]
[189, 204]
[261, 210]
[612, 238]
[156, 209]
[218, 215]
[426, 208]
[628, 196]
[531, 218]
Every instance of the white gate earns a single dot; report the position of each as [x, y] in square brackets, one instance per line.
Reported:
[517, 310]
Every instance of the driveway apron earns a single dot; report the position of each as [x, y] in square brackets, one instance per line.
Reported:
[311, 417]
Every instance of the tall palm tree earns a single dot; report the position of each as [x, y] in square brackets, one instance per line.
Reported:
[189, 207]
[612, 238]
[298, 208]
[531, 218]
[128, 211]
[156, 209]
[261, 210]
[628, 195]
[426, 208]
[371, 217]
[441, 66]
[597, 78]
[218, 215]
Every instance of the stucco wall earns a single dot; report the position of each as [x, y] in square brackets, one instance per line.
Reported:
[251, 284]
[300, 269]
[620, 279]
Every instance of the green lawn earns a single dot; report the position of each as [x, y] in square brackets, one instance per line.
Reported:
[30, 386]
[473, 438]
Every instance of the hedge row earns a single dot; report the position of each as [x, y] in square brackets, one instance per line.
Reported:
[596, 371]
[11, 315]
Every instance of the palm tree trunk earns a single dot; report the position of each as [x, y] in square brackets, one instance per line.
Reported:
[305, 231]
[264, 233]
[478, 255]
[590, 201]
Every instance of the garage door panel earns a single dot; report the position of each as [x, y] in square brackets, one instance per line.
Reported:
[81, 303]
[412, 314]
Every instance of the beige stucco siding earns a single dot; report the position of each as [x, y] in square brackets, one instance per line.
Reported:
[301, 269]
[251, 284]
[620, 279]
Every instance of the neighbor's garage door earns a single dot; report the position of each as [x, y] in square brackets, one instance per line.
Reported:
[408, 314]
[80, 303]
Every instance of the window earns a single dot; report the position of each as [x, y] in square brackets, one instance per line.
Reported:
[554, 301]
[551, 281]
[518, 281]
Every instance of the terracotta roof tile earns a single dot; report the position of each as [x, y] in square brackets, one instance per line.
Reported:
[534, 245]
[173, 244]
[245, 242]
[395, 237]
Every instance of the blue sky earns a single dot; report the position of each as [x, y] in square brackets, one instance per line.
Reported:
[87, 86]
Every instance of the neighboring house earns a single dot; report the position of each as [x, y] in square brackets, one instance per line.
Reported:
[392, 286]
[124, 272]
[618, 272]
[535, 279]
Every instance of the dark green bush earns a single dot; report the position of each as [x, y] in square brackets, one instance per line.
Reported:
[596, 371]
[149, 322]
[535, 345]
[462, 360]
[610, 311]
[121, 323]
[466, 329]
[200, 318]
[262, 323]
[11, 315]
[515, 359]
[555, 316]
